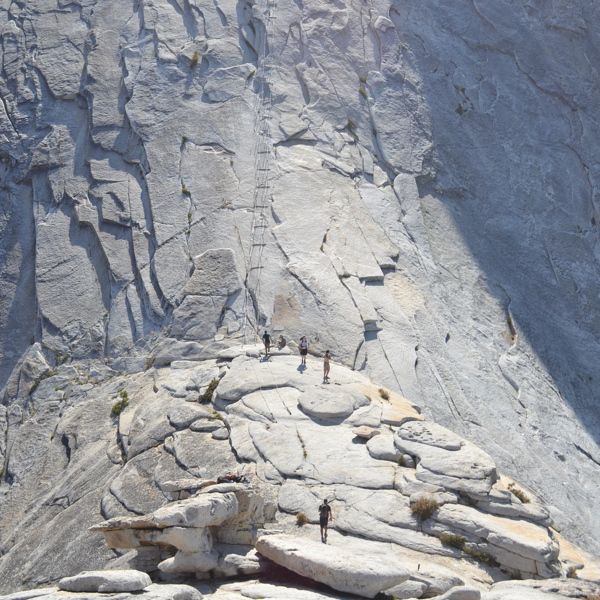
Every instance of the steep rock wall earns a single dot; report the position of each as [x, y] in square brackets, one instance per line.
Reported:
[431, 214]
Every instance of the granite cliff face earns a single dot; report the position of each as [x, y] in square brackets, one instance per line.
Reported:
[413, 186]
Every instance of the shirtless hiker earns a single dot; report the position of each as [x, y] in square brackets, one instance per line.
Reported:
[324, 515]
[326, 366]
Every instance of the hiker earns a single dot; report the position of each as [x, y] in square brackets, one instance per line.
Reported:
[326, 366]
[324, 514]
[303, 349]
[281, 342]
[267, 340]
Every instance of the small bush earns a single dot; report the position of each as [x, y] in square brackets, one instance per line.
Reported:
[301, 519]
[216, 416]
[362, 92]
[206, 398]
[401, 461]
[384, 394]
[454, 540]
[194, 60]
[520, 494]
[184, 190]
[120, 405]
[572, 572]
[481, 557]
[423, 508]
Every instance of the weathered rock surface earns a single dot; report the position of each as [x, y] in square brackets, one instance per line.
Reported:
[106, 582]
[337, 567]
[425, 193]
[152, 476]
[151, 592]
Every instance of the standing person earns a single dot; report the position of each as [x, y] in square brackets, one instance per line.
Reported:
[267, 341]
[303, 349]
[326, 366]
[324, 514]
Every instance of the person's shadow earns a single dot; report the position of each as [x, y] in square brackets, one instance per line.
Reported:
[301, 368]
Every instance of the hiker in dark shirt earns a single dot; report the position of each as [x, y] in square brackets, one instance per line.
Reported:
[267, 340]
[324, 515]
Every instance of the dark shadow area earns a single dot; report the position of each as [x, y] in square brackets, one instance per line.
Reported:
[512, 144]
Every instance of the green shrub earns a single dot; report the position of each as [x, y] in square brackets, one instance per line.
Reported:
[184, 190]
[572, 572]
[520, 494]
[423, 508]
[120, 405]
[362, 92]
[194, 60]
[384, 394]
[454, 540]
[216, 416]
[401, 461]
[301, 519]
[481, 557]
[206, 398]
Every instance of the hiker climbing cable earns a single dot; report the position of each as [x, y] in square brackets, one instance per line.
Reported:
[326, 366]
[303, 349]
[267, 341]
[324, 515]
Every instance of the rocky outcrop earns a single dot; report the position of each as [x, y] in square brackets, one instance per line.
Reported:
[107, 582]
[159, 498]
[191, 527]
[340, 569]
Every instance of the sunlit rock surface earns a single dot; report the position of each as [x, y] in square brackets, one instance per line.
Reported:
[411, 186]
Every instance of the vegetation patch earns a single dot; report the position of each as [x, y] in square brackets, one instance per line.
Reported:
[216, 416]
[454, 540]
[37, 382]
[120, 405]
[572, 572]
[194, 60]
[401, 461]
[520, 494]
[301, 519]
[302, 444]
[423, 508]
[481, 557]
[206, 398]
[384, 394]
